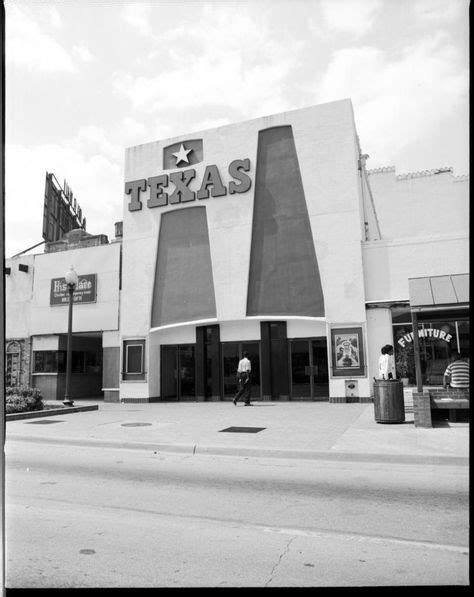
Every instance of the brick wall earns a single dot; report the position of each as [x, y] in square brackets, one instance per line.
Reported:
[23, 347]
[449, 393]
[422, 409]
[422, 402]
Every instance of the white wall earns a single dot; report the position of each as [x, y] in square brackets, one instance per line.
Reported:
[389, 264]
[234, 331]
[379, 330]
[420, 204]
[45, 343]
[101, 315]
[111, 339]
[301, 328]
[18, 295]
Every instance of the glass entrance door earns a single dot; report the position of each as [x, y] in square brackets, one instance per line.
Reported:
[309, 369]
[178, 379]
[231, 354]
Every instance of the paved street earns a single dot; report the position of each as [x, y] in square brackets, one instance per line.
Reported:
[91, 515]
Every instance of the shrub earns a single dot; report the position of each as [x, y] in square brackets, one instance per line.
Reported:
[23, 399]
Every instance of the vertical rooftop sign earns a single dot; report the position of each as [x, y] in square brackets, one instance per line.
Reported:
[61, 212]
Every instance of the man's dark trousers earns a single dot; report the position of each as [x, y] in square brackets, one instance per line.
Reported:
[244, 391]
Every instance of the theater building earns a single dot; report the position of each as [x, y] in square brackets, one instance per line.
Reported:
[268, 236]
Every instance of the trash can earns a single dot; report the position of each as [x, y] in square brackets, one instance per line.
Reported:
[389, 405]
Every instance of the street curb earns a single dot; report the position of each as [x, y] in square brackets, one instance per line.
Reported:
[50, 412]
[249, 452]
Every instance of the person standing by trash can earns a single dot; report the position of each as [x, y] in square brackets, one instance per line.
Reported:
[387, 363]
[244, 371]
[389, 403]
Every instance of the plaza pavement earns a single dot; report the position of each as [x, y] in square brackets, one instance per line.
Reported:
[309, 430]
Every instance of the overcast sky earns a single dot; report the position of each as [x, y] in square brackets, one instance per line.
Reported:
[87, 78]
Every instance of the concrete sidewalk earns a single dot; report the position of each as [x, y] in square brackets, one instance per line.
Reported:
[310, 430]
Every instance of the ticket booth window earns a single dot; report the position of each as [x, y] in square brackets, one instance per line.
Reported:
[134, 360]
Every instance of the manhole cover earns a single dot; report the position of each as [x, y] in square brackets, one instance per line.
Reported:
[243, 429]
[135, 424]
[43, 422]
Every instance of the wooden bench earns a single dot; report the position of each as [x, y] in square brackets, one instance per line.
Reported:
[452, 404]
[432, 399]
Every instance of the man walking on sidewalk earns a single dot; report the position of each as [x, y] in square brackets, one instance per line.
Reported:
[244, 370]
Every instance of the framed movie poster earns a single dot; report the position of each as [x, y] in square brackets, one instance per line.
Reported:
[347, 352]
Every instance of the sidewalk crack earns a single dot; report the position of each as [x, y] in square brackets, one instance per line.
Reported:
[282, 555]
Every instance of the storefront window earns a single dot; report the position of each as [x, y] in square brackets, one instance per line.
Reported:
[439, 341]
[52, 361]
[45, 361]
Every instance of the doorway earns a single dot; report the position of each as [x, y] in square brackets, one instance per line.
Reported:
[231, 354]
[309, 369]
[178, 372]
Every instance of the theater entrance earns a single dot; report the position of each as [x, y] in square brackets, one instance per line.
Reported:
[178, 380]
[231, 354]
[309, 379]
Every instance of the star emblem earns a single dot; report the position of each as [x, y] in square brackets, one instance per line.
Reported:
[182, 154]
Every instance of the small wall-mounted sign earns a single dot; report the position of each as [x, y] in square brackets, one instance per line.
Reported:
[85, 292]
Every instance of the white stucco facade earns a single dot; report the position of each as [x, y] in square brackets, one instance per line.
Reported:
[97, 316]
[326, 145]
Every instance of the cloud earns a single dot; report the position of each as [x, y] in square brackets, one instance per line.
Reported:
[137, 15]
[54, 17]
[83, 53]
[93, 140]
[224, 58]
[442, 11]
[28, 45]
[397, 100]
[131, 132]
[354, 17]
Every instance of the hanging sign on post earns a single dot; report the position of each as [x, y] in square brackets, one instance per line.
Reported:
[85, 291]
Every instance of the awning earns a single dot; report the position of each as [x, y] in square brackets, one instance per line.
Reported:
[436, 292]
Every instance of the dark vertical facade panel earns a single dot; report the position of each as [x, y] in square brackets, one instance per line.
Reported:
[284, 275]
[279, 359]
[274, 366]
[214, 355]
[208, 363]
[183, 288]
[280, 374]
[111, 367]
[265, 365]
[200, 363]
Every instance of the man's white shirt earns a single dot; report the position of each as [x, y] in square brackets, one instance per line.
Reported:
[244, 365]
